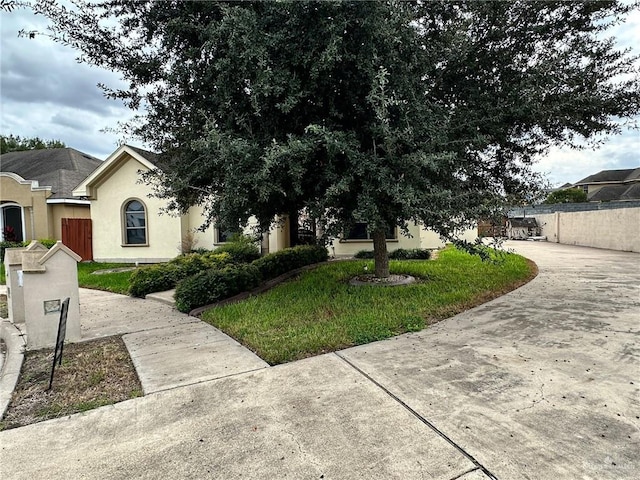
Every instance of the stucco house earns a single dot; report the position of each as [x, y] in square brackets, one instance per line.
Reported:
[36, 198]
[129, 224]
[611, 185]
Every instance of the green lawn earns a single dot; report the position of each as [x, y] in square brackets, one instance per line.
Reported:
[112, 282]
[320, 312]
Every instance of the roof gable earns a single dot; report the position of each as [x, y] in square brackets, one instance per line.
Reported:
[110, 165]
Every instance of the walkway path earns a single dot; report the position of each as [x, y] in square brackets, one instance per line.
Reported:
[169, 349]
[539, 384]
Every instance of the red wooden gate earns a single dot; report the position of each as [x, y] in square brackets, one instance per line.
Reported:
[76, 234]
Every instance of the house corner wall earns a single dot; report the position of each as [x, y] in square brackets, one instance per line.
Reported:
[163, 230]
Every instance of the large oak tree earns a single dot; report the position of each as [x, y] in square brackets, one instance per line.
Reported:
[378, 112]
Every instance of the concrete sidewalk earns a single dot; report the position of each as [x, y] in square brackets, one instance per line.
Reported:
[168, 348]
[539, 384]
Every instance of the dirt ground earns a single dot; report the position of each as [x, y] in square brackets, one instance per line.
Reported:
[92, 374]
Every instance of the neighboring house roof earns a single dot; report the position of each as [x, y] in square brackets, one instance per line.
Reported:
[526, 222]
[87, 187]
[631, 193]
[607, 176]
[617, 192]
[612, 185]
[608, 193]
[60, 168]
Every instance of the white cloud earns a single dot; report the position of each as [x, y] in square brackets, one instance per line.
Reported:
[564, 165]
[46, 93]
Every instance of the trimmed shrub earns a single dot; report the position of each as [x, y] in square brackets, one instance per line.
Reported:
[165, 276]
[410, 254]
[46, 242]
[153, 278]
[192, 263]
[200, 250]
[241, 251]
[214, 285]
[277, 263]
[364, 254]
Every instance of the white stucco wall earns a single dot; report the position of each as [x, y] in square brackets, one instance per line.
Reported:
[203, 239]
[615, 229]
[348, 248]
[164, 232]
[420, 238]
[430, 239]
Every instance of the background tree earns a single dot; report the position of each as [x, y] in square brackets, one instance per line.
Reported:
[568, 195]
[378, 112]
[11, 143]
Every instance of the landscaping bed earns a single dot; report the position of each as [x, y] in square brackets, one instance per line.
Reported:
[92, 374]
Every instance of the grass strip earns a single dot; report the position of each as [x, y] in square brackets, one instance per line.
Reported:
[320, 312]
[116, 282]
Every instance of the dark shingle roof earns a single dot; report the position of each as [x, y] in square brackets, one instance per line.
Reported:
[152, 157]
[631, 193]
[612, 193]
[612, 176]
[527, 222]
[62, 169]
[608, 193]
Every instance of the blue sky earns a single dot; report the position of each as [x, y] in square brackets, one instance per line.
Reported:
[44, 92]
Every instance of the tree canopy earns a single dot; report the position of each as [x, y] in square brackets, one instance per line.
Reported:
[378, 112]
[11, 143]
[568, 195]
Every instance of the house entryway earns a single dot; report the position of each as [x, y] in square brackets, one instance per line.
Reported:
[76, 234]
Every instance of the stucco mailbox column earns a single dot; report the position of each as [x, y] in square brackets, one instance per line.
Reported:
[49, 278]
[14, 276]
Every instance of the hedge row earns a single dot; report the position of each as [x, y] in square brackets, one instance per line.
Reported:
[214, 285]
[217, 284]
[399, 254]
[277, 263]
[165, 276]
[204, 278]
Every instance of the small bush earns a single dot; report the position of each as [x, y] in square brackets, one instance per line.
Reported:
[277, 263]
[165, 276]
[47, 242]
[192, 263]
[214, 285]
[399, 254]
[153, 278]
[242, 250]
[410, 254]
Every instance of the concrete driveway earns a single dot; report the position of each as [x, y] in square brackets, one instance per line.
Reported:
[542, 383]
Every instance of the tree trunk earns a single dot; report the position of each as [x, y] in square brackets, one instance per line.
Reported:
[293, 228]
[380, 254]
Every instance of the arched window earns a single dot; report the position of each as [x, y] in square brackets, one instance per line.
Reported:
[11, 222]
[135, 223]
